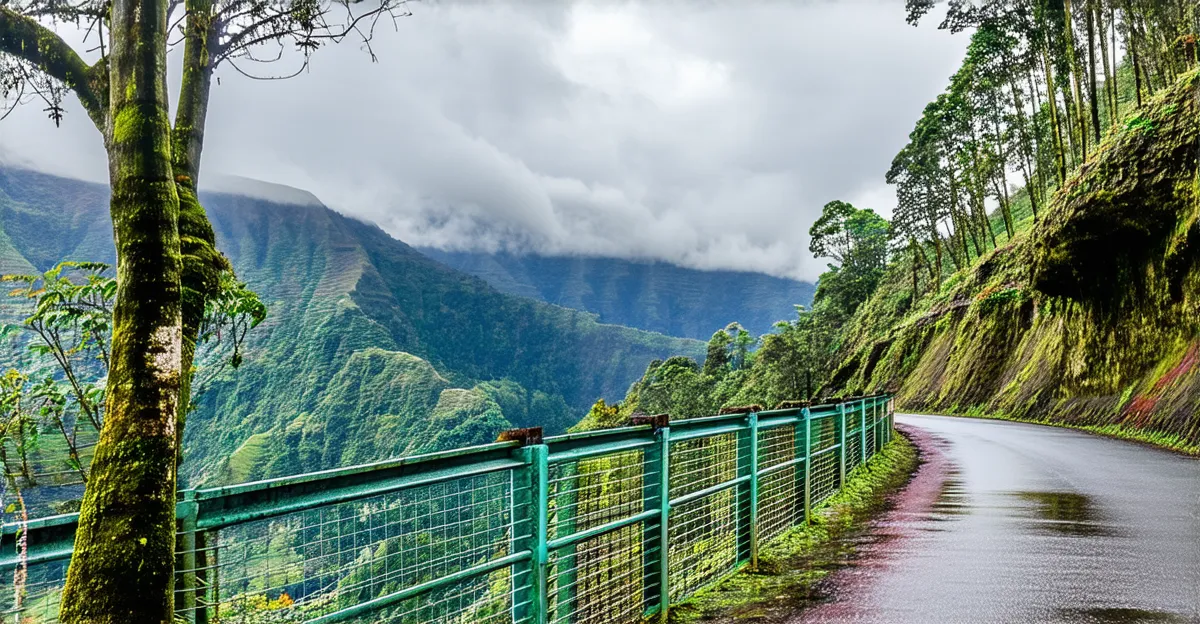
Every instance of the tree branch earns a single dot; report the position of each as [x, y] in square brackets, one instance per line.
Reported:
[26, 39]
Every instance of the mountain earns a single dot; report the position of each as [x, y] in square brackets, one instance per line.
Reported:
[371, 350]
[654, 296]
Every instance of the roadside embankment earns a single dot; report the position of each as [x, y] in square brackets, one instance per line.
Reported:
[1089, 318]
[791, 569]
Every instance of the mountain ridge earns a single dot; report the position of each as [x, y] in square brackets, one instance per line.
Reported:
[354, 316]
[646, 294]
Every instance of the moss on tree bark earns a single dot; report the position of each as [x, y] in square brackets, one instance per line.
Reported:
[122, 567]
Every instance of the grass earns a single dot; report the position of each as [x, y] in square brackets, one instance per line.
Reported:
[792, 564]
[1156, 439]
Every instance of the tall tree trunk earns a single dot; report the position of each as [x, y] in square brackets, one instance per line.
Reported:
[937, 253]
[202, 263]
[1076, 79]
[1002, 182]
[1028, 147]
[1133, 54]
[1116, 65]
[1070, 110]
[1091, 69]
[912, 249]
[951, 243]
[1110, 96]
[957, 216]
[1055, 126]
[127, 518]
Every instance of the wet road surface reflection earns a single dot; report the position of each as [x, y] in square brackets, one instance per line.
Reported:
[1012, 522]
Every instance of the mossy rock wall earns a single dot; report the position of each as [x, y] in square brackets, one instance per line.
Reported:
[1092, 317]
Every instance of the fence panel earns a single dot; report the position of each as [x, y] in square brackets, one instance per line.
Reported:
[602, 527]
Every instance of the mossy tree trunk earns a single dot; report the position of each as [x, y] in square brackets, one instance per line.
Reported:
[202, 263]
[1110, 96]
[1133, 53]
[122, 567]
[1060, 160]
[1028, 142]
[1076, 79]
[1093, 91]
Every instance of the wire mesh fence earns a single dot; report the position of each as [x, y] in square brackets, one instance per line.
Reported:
[825, 456]
[780, 481]
[603, 527]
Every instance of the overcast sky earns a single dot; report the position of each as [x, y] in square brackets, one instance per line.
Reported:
[708, 134]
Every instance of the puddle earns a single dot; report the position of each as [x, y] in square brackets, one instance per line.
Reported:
[1100, 615]
[951, 498]
[1067, 513]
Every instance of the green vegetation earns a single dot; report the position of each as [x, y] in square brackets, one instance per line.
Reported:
[787, 362]
[1087, 319]
[166, 257]
[52, 412]
[363, 337]
[790, 565]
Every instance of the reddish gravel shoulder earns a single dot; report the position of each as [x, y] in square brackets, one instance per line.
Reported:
[885, 538]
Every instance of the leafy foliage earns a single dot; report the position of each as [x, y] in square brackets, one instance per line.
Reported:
[68, 331]
[363, 337]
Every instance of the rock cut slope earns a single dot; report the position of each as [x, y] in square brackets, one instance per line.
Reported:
[1092, 317]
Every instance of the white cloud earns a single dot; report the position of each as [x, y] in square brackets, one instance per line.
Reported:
[703, 133]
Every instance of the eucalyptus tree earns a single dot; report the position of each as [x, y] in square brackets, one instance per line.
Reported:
[921, 204]
[168, 267]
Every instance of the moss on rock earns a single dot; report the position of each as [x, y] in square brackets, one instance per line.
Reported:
[1090, 318]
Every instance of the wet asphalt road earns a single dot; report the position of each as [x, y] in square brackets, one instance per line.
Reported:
[1012, 522]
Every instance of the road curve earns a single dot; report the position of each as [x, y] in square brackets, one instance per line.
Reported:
[1011, 522]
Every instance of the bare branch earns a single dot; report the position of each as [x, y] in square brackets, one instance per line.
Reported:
[244, 25]
[25, 39]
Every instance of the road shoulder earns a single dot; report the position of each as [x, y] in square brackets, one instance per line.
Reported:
[799, 570]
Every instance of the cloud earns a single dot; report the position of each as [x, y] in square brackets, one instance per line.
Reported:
[707, 134]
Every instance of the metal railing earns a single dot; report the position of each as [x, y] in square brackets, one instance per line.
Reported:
[608, 526]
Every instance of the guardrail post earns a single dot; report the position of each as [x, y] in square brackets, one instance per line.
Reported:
[753, 532]
[807, 414]
[801, 468]
[656, 493]
[862, 433]
[880, 425]
[875, 425]
[887, 430]
[186, 585]
[841, 417]
[530, 502]
[890, 413]
[881, 418]
[746, 442]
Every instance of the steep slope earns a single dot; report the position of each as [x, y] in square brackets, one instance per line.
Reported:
[371, 349]
[1091, 318]
[655, 296]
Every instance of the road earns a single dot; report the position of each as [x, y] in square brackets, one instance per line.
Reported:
[1011, 522]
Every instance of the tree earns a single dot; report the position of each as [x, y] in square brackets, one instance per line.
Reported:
[167, 264]
[742, 341]
[858, 240]
[830, 236]
[69, 334]
[716, 360]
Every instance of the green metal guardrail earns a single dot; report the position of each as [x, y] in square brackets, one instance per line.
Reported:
[602, 527]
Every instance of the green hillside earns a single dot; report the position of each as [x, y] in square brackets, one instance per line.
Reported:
[655, 296]
[1091, 318]
[371, 349]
